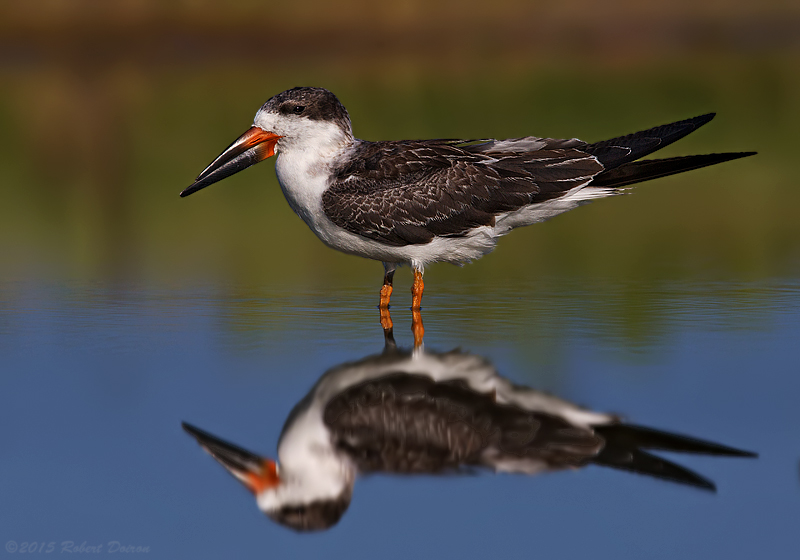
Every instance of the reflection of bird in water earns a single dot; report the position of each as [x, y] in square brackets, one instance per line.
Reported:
[431, 413]
[417, 202]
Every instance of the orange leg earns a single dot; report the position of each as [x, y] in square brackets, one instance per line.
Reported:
[386, 292]
[416, 290]
[386, 320]
[388, 330]
[417, 328]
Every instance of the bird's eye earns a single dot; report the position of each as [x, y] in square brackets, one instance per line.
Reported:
[298, 109]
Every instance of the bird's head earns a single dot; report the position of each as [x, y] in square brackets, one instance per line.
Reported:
[298, 118]
[297, 502]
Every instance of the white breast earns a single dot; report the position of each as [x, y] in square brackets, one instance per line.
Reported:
[302, 182]
[304, 164]
[310, 469]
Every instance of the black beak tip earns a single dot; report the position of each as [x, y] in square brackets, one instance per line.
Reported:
[194, 187]
[189, 428]
[198, 434]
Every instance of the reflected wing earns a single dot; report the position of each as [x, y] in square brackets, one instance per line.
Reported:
[402, 193]
[404, 423]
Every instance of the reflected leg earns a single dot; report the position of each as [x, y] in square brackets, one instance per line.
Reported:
[386, 320]
[417, 328]
[416, 290]
[388, 330]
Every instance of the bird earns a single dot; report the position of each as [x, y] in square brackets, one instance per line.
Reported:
[426, 413]
[417, 202]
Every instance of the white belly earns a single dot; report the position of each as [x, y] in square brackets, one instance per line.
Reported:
[304, 177]
[303, 182]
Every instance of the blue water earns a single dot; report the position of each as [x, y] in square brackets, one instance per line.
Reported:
[96, 380]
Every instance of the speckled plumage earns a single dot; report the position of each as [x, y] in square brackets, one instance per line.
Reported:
[409, 192]
[403, 423]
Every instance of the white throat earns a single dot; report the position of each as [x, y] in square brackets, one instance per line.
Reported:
[310, 469]
[304, 164]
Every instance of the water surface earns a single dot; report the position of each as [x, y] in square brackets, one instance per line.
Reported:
[98, 378]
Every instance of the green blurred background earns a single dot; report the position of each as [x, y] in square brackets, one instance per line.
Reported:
[109, 109]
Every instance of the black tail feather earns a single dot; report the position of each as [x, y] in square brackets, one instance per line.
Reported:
[644, 463]
[624, 450]
[624, 149]
[638, 171]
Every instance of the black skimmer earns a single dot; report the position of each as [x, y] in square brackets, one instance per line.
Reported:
[417, 202]
[430, 413]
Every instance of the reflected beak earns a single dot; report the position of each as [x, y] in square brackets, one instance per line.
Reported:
[255, 472]
[251, 147]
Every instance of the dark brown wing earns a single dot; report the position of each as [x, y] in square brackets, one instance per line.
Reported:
[408, 192]
[403, 423]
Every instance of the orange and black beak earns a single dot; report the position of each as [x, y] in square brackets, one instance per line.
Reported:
[251, 147]
[255, 472]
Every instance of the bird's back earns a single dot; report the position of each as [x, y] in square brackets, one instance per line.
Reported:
[404, 423]
[409, 192]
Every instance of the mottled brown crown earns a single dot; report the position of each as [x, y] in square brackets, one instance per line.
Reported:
[310, 102]
[315, 516]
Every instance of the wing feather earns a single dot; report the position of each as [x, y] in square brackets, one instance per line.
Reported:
[404, 423]
[408, 192]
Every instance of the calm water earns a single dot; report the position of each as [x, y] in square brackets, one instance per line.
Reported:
[125, 310]
[97, 380]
